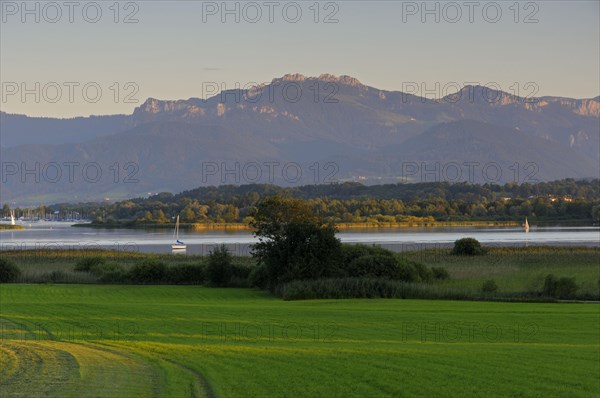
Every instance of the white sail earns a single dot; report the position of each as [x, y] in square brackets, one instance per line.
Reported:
[12, 217]
[178, 245]
[526, 226]
[176, 233]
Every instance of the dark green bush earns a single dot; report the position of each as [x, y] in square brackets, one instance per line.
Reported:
[259, 277]
[102, 268]
[219, 269]
[9, 272]
[112, 273]
[407, 272]
[467, 247]
[562, 288]
[440, 273]
[489, 286]
[339, 288]
[86, 264]
[148, 271]
[240, 271]
[58, 277]
[351, 252]
[374, 266]
[187, 274]
[425, 274]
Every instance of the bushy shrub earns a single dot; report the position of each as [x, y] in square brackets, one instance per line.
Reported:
[339, 288]
[413, 271]
[9, 272]
[407, 271]
[374, 266]
[109, 273]
[219, 268]
[58, 277]
[239, 275]
[259, 277]
[440, 273]
[559, 288]
[187, 274]
[351, 252]
[467, 247]
[375, 261]
[489, 286]
[148, 271]
[102, 268]
[425, 274]
[86, 264]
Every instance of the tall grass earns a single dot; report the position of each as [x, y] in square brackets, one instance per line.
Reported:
[343, 288]
[347, 288]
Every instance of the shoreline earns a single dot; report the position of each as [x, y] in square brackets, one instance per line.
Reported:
[9, 227]
[340, 226]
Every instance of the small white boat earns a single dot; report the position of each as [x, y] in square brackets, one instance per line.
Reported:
[178, 245]
[526, 226]
[12, 217]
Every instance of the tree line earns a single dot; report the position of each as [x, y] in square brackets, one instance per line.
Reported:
[564, 200]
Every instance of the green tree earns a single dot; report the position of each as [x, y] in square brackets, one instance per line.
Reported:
[148, 217]
[160, 217]
[188, 215]
[275, 212]
[294, 243]
[6, 210]
[219, 266]
[596, 213]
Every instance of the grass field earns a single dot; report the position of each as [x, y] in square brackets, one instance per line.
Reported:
[178, 341]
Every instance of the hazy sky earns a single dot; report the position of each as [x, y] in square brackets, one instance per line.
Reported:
[175, 48]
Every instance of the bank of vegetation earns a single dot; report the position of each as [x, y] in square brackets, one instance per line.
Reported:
[353, 204]
[298, 256]
[9, 226]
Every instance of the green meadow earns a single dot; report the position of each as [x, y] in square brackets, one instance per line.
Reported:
[192, 341]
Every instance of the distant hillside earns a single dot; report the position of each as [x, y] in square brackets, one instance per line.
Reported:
[490, 149]
[21, 129]
[327, 128]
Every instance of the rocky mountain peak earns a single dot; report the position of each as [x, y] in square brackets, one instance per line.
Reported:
[291, 77]
[325, 77]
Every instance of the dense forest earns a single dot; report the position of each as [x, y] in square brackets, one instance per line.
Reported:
[559, 201]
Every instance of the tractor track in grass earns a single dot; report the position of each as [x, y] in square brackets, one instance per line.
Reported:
[65, 369]
[37, 363]
[201, 381]
[200, 388]
[40, 370]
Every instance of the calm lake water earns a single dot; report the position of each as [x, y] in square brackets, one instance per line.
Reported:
[58, 235]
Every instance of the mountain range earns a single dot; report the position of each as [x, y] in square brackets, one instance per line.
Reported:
[300, 130]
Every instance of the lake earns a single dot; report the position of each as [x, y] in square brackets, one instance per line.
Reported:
[60, 235]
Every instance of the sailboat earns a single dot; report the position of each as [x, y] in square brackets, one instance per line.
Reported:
[526, 226]
[12, 217]
[178, 245]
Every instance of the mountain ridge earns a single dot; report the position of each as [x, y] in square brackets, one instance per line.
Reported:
[327, 119]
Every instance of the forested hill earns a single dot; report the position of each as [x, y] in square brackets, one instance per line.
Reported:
[563, 200]
[584, 189]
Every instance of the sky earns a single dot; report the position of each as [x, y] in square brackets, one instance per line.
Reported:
[107, 57]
